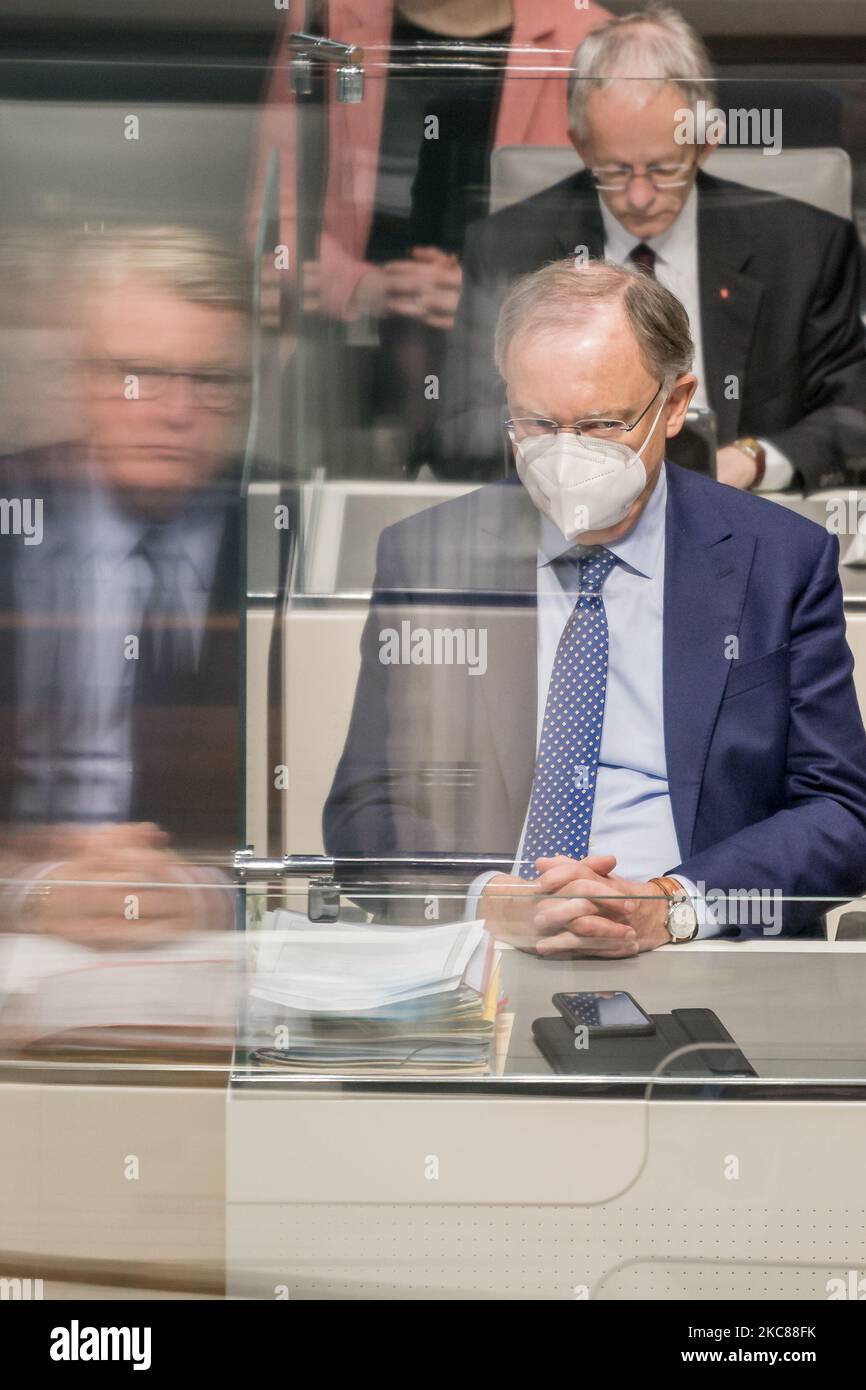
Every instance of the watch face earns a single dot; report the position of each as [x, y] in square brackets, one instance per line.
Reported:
[682, 919]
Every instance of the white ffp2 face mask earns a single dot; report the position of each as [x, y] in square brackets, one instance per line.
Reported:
[582, 483]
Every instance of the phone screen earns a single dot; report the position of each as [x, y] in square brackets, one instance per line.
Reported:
[603, 1009]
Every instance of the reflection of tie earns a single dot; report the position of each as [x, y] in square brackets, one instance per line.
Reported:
[563, 788]
[644, 257]
[164, 684]
[586, 1010]
[166, 654]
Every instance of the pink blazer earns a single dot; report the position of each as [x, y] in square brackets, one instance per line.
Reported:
[532, 111]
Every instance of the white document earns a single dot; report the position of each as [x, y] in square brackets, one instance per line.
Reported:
[350, 969]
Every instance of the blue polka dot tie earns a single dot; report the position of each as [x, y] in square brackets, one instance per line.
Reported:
[566, 768]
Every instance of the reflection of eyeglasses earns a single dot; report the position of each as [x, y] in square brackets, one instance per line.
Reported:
[535, 427]
[211, 390]
[616, 178]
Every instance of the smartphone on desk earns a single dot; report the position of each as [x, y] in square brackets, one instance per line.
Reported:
[604, 1013]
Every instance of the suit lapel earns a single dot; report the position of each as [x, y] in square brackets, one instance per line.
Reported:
[730, 300]
[706, 575]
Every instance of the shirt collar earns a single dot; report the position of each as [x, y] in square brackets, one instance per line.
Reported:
[640, 550]
[670, 246]
[103, 529]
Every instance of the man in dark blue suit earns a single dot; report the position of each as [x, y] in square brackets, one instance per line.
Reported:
[630, 679]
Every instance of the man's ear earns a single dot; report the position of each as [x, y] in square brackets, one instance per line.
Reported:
[678, 403]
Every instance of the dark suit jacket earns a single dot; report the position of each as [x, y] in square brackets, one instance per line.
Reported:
[766, 754]
[186, 744]
[780, 310]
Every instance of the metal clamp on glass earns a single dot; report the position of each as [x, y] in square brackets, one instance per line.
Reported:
[330, 876]
[306, 50]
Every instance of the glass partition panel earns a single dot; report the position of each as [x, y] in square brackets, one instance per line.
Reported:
[422, 629]
[378, 986]
[391, 700]
[430, 541]
[134, 401]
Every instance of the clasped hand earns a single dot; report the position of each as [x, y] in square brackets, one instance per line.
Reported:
[575, 908]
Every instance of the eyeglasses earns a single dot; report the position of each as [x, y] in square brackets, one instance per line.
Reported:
[664, 174]
[220, 391]
[536, 427]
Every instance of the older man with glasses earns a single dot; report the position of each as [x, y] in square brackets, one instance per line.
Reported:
[771, 285]
[666, 719]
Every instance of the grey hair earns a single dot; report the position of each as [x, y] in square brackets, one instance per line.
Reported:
[654, 45]
[194, 264]
[556, 296]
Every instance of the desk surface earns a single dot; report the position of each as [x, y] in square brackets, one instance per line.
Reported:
[796, 1009]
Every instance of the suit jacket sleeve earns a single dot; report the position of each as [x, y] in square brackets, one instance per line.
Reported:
[377, 804]
[832, 430]
[371, 809]
[816, 846]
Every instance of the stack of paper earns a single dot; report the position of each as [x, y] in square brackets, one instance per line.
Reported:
[369, 999]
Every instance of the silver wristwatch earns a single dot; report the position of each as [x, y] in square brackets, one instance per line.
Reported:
[682, 919]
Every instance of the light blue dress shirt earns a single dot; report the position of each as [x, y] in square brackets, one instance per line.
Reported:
[632, 815]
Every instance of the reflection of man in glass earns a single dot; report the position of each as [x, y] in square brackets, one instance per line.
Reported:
[123, 648]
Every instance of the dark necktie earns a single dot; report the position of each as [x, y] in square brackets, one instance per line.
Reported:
[164, 688]
[566, 768]
[166, 652]
[644, 257]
